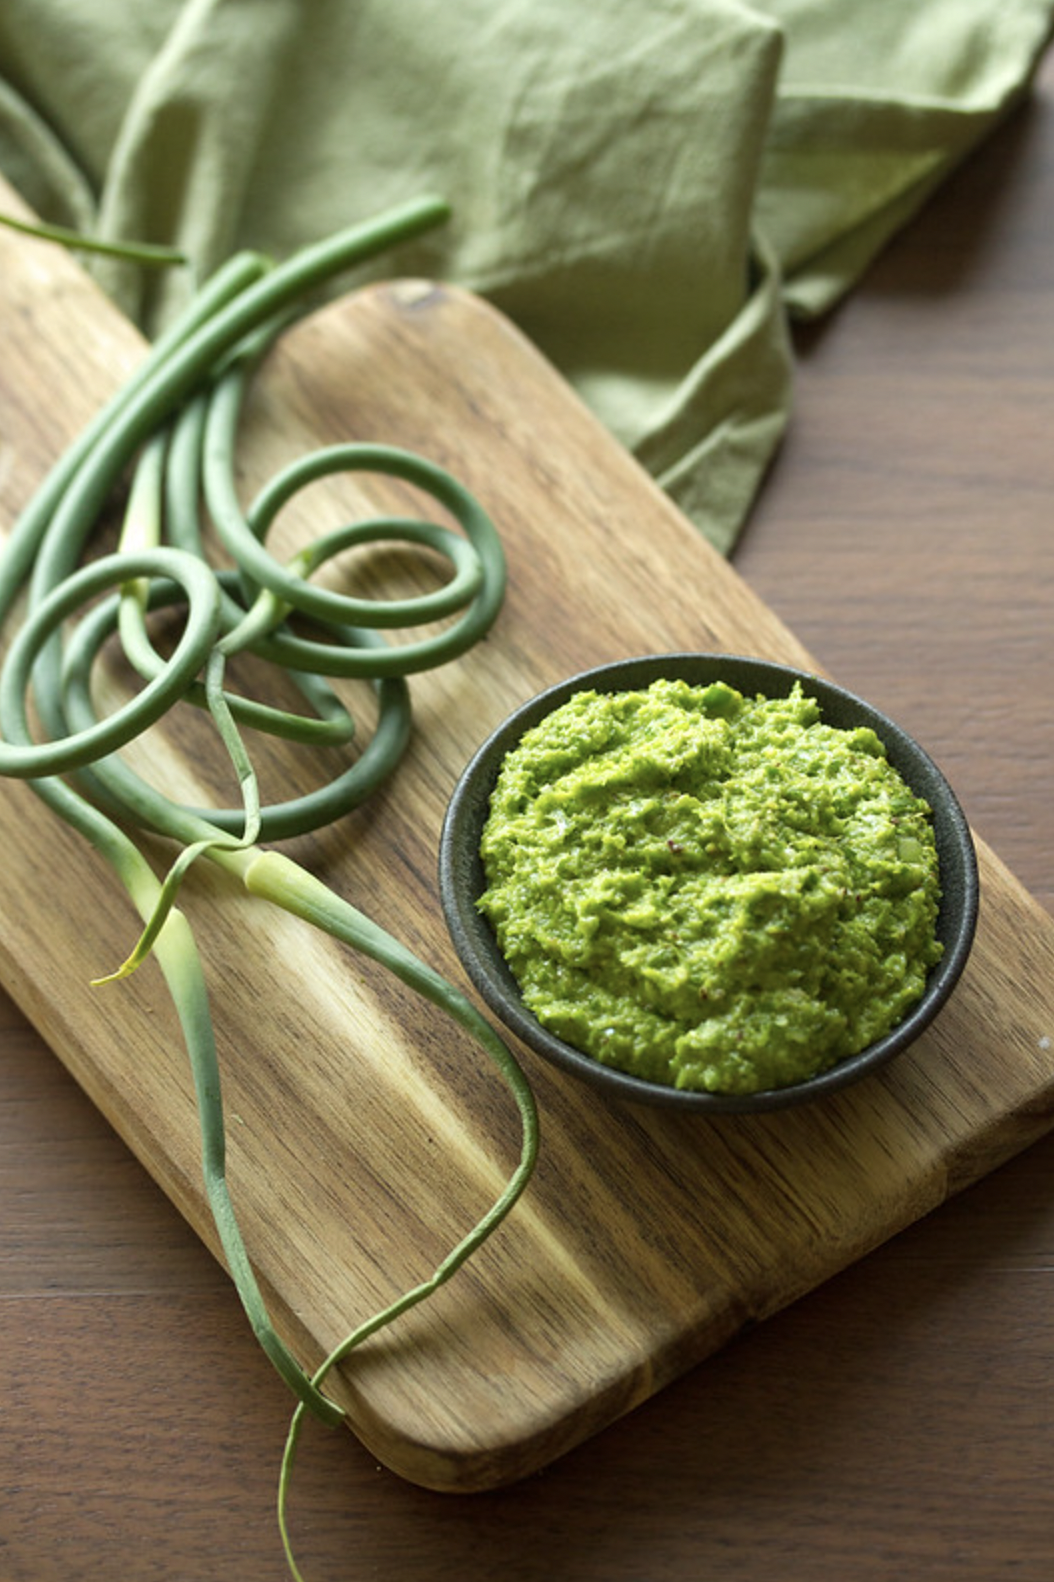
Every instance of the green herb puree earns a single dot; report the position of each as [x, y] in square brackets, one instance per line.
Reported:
[710, 891]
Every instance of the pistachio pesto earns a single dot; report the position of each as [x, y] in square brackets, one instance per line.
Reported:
[711, 891]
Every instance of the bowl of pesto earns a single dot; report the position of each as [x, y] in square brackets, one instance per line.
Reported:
[708, 881]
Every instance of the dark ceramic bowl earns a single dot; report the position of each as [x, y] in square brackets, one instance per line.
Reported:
[461, 877]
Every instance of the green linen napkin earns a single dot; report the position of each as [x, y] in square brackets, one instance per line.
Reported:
[650, 189]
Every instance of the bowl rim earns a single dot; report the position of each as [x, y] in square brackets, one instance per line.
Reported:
[460, 873]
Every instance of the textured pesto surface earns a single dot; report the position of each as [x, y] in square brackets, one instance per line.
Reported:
[710, 891]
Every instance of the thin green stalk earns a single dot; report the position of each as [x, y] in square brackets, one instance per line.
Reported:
[178, 958]
[24, 540]
[20, 756]
[152, 254]
[274, 876]
[141, 531]
[168, 379]
[174, 424]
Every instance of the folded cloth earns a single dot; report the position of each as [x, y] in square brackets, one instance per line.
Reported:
[649, 190]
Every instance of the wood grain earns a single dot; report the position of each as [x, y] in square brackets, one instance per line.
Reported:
[365, 1136]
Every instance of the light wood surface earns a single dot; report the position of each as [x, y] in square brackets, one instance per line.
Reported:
[896, 1421]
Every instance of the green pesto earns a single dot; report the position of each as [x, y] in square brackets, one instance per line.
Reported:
[710, 891]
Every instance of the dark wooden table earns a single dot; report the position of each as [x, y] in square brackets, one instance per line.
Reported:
[896, 1424]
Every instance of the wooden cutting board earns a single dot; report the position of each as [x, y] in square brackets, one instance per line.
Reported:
[367, 1134]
